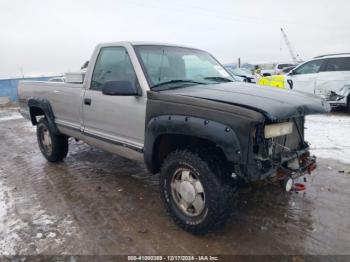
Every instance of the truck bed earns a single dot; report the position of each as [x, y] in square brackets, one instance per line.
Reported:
[64, 98]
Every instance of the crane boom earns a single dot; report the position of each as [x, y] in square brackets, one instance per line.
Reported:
[295, 57]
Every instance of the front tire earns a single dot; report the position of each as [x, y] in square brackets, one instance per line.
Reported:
[54, 147]
[193, 192]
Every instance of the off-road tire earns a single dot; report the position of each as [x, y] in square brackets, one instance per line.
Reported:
[59, 143]
[218, 193]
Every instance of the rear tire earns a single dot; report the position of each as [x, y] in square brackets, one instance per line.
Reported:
[194, 193]
[53, 147]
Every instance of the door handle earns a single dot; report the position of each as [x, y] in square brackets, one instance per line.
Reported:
[87, 101]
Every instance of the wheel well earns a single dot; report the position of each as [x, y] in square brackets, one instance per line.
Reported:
[34, 112]
[168, 143]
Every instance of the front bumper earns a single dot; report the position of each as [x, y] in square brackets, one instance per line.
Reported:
[337, 103]
[298, 166]
[290, 165]
[337, 99]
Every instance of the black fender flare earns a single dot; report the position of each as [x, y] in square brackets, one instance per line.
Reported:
[45, 106]
[220, 134]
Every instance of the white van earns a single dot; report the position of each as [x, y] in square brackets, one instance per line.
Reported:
[327, 76]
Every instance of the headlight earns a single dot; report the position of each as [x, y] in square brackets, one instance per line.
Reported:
[281, 129]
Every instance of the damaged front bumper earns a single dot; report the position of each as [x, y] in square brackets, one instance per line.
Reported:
[280, 157]
[339, 98]
[301, 164]
[291, 165]
[336, 100]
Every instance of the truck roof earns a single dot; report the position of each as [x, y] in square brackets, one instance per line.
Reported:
[135, 43]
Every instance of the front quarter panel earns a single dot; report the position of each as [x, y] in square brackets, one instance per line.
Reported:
[228, 126]
[222, 135]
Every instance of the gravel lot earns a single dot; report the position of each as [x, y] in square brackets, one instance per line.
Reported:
[98, 203]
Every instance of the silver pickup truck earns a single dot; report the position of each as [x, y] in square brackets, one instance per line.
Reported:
[178, 110]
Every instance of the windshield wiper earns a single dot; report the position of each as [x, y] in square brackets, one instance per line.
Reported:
[218, 78]
[176, 81]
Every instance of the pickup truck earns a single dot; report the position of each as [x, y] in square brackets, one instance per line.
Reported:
[177, 110]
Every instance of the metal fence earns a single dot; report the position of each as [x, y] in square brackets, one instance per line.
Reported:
[8, 87]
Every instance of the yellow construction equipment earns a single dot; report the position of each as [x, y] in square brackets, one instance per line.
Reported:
[275, 81]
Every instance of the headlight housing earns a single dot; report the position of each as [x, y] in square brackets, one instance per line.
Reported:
[333, 96]
[281, 129]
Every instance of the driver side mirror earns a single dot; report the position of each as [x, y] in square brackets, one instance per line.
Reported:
[120, 88]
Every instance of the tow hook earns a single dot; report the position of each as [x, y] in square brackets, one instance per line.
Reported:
[299, 187]
[287, 184]
[287, 181]
[296, 168]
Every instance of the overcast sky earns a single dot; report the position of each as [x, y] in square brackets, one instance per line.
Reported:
[59, 35]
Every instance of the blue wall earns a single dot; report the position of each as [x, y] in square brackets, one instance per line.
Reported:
[8, 87]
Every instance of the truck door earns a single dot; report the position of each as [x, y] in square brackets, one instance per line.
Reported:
[304, 76]
[115, 119]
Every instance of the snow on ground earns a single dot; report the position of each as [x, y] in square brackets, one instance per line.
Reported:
[6, 247]
[329, 136]
[11, 117]
[25, 224]
[3, 204]
[7, 115]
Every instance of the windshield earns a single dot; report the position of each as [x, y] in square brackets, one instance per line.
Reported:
[167, 66]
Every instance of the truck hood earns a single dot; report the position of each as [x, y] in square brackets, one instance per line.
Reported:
[274, 103]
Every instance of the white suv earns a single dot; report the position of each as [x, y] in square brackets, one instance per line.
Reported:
[327, 76]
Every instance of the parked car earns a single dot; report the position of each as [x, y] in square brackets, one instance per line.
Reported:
[266, 69]
[238, 78]
[279, 68]
[327, 76]
[243, 74]
[177, 110]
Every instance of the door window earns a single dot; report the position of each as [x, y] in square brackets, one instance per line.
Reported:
[338, 64]
[112, 64]
[311, 67]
